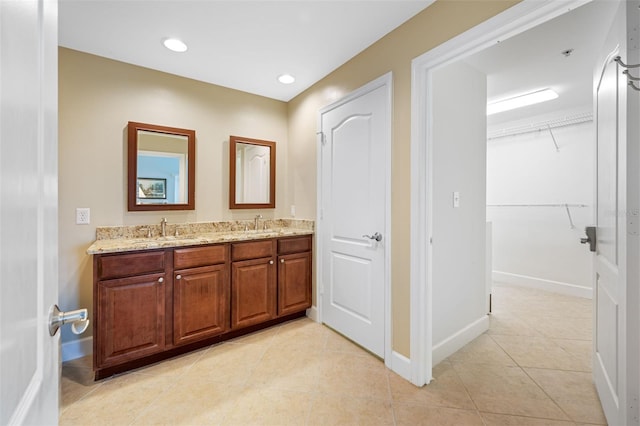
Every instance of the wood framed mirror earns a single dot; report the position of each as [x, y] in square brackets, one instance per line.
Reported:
[252, 173]
[161, 167]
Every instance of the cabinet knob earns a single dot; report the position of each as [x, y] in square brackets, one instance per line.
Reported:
[271, 262]
[178, 277]
[160, 280]
[281, 260]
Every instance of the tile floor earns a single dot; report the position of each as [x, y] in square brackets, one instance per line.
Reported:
[531, 368]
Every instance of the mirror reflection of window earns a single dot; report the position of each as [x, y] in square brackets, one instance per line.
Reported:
[162, 156]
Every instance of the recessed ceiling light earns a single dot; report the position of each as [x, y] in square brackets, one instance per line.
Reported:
[286, 79]
[521, 101]
[174, 44]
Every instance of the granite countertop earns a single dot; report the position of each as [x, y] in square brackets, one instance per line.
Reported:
[129, 238]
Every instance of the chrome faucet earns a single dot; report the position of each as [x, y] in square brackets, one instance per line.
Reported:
[257, 219]
[163, 227]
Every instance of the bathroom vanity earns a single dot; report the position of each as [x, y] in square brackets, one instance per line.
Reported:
[157, 298]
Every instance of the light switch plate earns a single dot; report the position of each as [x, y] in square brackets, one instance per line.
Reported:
[83, 216]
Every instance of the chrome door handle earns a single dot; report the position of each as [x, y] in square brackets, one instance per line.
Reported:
[377, 236]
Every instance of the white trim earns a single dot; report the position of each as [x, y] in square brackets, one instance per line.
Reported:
[385, 81]
[521, 17]
[77, 348]
[401, 365]
[313, 314]
[542, 284]
[453, 343]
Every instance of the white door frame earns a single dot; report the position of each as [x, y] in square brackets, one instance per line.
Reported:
[385, 81]
[515, 20]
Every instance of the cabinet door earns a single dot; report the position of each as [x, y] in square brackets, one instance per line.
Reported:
[130, 319]
[253, 292]
[294, 283]
[200, 303]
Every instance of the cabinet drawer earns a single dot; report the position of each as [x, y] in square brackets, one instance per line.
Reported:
[127, 265]
[294, 245]
[199, 256]
[252, 250]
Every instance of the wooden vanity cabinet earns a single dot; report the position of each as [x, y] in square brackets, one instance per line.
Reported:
[200, 293]
[129, 306]
[294, 275]
[154, 304]
[253, 283]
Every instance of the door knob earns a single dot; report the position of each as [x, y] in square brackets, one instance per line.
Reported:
[591, 238]
[377, 236]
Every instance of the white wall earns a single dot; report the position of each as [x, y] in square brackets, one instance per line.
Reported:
[459, 153]
[535, 246]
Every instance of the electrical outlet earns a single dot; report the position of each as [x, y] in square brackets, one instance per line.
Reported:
[83, 216]
[293, 211]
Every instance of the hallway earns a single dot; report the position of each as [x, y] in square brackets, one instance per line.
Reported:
[531, 368]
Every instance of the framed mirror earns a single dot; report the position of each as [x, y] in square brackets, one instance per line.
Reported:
[161, 167]
[252, 173]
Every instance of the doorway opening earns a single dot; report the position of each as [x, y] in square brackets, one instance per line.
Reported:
[500, 30]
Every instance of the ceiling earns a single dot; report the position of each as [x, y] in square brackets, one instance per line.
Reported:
[533, 60]
[240, 44]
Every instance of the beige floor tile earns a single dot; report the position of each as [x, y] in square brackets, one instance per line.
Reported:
[337, 343]
[506, 390]
[261, 337]
[117, 401]
[75, 383]
[300, 372]
[254, 406]
[510, 325]
[172, 367]
[193, 402]
[329, 410]
[354, 376]
[301, 335]
[421, 415]
[573, 391]
[230, 363]
[581, 349]
[445, 390]
[506, 420]
[540, 352]
[566, 328]
[483, 350]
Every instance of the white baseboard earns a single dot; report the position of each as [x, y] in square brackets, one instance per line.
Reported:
[312, 313]
[542, 284]
[456, 341]
[401, 365]
[77, 348]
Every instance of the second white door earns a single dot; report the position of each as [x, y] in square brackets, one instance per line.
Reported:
[355, 164]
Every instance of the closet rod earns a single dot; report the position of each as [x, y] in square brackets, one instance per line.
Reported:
[540, 126]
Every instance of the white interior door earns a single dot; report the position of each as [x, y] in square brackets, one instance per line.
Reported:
[353, 204]
[29, 357]
[615, 303]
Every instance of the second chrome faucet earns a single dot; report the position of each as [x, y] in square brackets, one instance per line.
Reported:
[163, 227]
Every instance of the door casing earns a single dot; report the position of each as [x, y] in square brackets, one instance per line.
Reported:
[515, 20]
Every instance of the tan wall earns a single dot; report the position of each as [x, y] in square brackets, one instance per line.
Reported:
[435, 25]
[97, 97]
